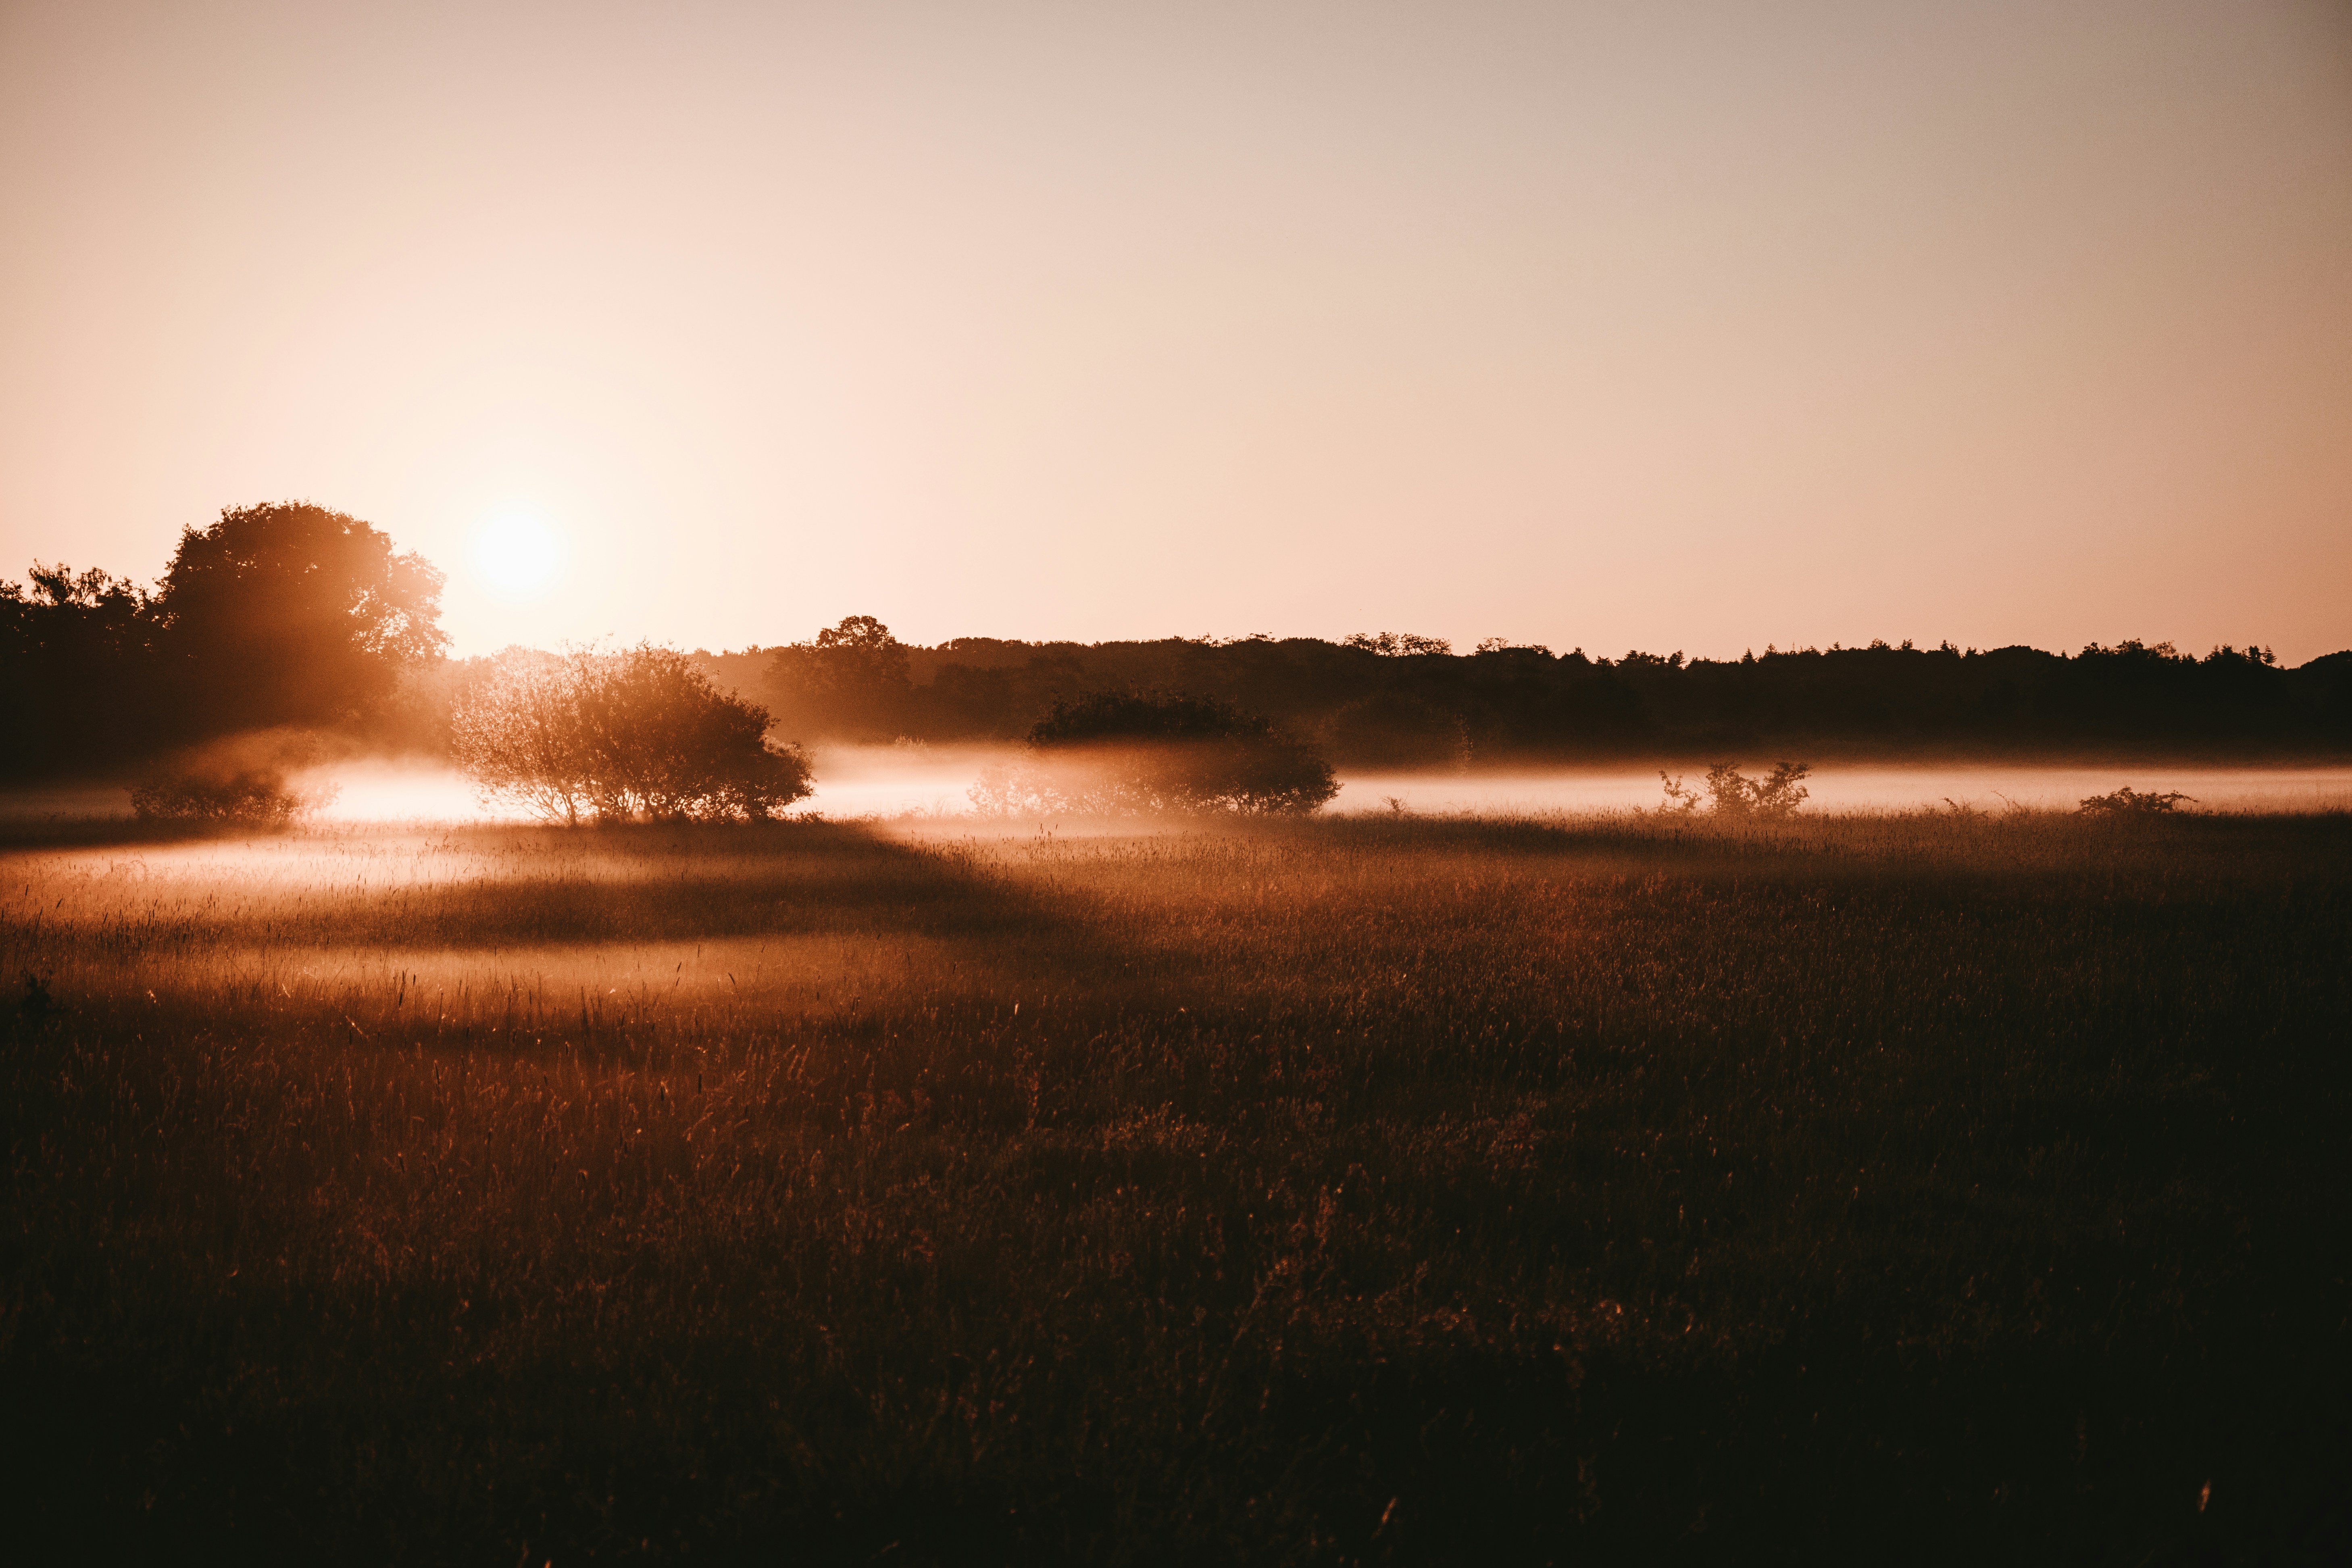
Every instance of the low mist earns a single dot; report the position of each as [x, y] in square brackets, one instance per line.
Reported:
[930, 781]
[935, 782]
[1861, 787]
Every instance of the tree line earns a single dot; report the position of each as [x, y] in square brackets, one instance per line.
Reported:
[1397, 700]
[294, 617]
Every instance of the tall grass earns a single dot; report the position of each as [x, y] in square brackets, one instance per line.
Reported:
[1322, 1192]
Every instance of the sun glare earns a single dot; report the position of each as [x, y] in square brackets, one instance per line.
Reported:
[517, 554]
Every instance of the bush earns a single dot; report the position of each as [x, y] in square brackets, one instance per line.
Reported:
[1732, 793]
[2128, 802]
[252, 797]
[1113, 753]
[616, 737]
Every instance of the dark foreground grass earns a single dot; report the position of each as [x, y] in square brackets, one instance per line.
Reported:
[1903, 1189]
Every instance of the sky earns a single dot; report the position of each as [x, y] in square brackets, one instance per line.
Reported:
[1701, 326]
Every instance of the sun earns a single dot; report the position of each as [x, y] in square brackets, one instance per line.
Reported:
[517, 554]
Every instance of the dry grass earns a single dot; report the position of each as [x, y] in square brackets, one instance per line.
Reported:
[1308, 1193]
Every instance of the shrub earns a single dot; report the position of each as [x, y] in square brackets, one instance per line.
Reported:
[1731, 793]
[251, 797]
[2129, 802]
[1114, 753]
[613, 737]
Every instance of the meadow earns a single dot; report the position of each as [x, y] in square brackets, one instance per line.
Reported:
[1909, 1186]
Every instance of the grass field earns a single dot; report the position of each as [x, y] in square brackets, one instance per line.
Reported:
[1895, 1188]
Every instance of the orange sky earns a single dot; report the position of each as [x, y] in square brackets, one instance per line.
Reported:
[1678, 326]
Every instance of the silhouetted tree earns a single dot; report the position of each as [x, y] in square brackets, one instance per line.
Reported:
[611, 737]
[850, 680]
[76, 671]
[1397, 645]
[292, 615]
[1396, 731]
[2330, 682]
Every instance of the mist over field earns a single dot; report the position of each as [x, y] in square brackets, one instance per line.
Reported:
[896, 781]
[1989, 788]
[935, 783]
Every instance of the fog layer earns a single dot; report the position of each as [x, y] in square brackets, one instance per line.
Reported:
[934, 780]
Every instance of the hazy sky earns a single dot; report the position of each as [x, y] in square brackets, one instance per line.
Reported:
[1693, 326]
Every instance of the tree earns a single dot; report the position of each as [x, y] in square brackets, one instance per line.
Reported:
[611, 737]
[1396, 645]
[74, 656]
[292, 613]
[1394, 731]
[1127, 753]
[850, 680]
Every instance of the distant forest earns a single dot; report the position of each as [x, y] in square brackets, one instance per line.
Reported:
[295, 620]
[1391, 701]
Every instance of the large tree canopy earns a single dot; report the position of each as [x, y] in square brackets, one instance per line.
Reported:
[292, 613]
